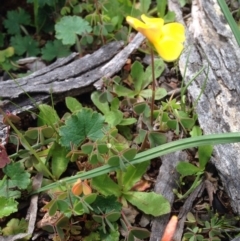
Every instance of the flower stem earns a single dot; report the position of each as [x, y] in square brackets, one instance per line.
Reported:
[153, 86]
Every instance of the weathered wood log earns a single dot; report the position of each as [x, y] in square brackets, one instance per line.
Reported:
[213, 45]
[71, 76]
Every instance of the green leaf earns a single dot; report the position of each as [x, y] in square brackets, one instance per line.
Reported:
[186, 169]
[54, 49]
[196, 131]
[106, 205]
[129, 154]
[25, 44]
[172, 124]
[140, 233]
[102, 148]
[204, 155]
[68, 28]
[114, 118]
[106, 186]
[169, 17]
[5, 191]
[103, 107]
[137, 73]
[7, 206]
[2, 37]
[161, 7]
[15, 19]
[182, 2]
[159, 67]
[113, 216]
[47, 132]
[156, 138]
[112, 236]
[53, 207]
[144, 5]
[47, 115]
[6, 53]
[85, 124]
[15, 226]
[114, 160]
[73, 104]
[140, 107]
[93, 236]
[127, 122]
[18, 176]
[132, 175]
[87, 148]
[90, 198]
[123, 91]
[59, 160]
[187, 123]
[150, 203]
[160, 93]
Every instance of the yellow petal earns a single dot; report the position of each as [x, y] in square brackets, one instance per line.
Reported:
[168, 48]
[150, 21]
[152, 34]
[152, 31]
[135, 23]
[175, 31]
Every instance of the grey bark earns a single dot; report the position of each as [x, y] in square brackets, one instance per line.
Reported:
[210, 44]
[165, 183]
[214, 46]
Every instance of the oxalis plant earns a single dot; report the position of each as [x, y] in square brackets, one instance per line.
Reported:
[102, 143]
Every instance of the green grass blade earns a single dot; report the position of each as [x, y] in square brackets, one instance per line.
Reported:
[213, 139]
[230, 20]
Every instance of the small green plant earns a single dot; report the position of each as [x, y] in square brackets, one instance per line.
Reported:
[214, 228]
[15, 181]
[5, 59]
[111, 149]
[188, 169]
[146, 202]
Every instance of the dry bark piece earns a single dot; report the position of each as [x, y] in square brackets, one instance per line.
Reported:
[165, 183]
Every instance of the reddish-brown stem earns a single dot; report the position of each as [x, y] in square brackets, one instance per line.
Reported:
[153, 86]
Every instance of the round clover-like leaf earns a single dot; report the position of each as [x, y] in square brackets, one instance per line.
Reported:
[7, 206]
[114, 160]
[69, 26]
[85, 124]
[129, 154]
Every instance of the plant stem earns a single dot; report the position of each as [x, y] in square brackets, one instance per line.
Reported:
[153, 86]
[31, 150]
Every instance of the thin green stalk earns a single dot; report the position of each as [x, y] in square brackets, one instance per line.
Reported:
[36, 146]
[31, 150]
[155, 152]
[230, 20]
[78, 45]
[153, 87]
[35, 11]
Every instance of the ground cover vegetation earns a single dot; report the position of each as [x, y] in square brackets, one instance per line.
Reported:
[97, 161]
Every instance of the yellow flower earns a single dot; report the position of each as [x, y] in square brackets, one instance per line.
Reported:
[167, 39]
[80, 187]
